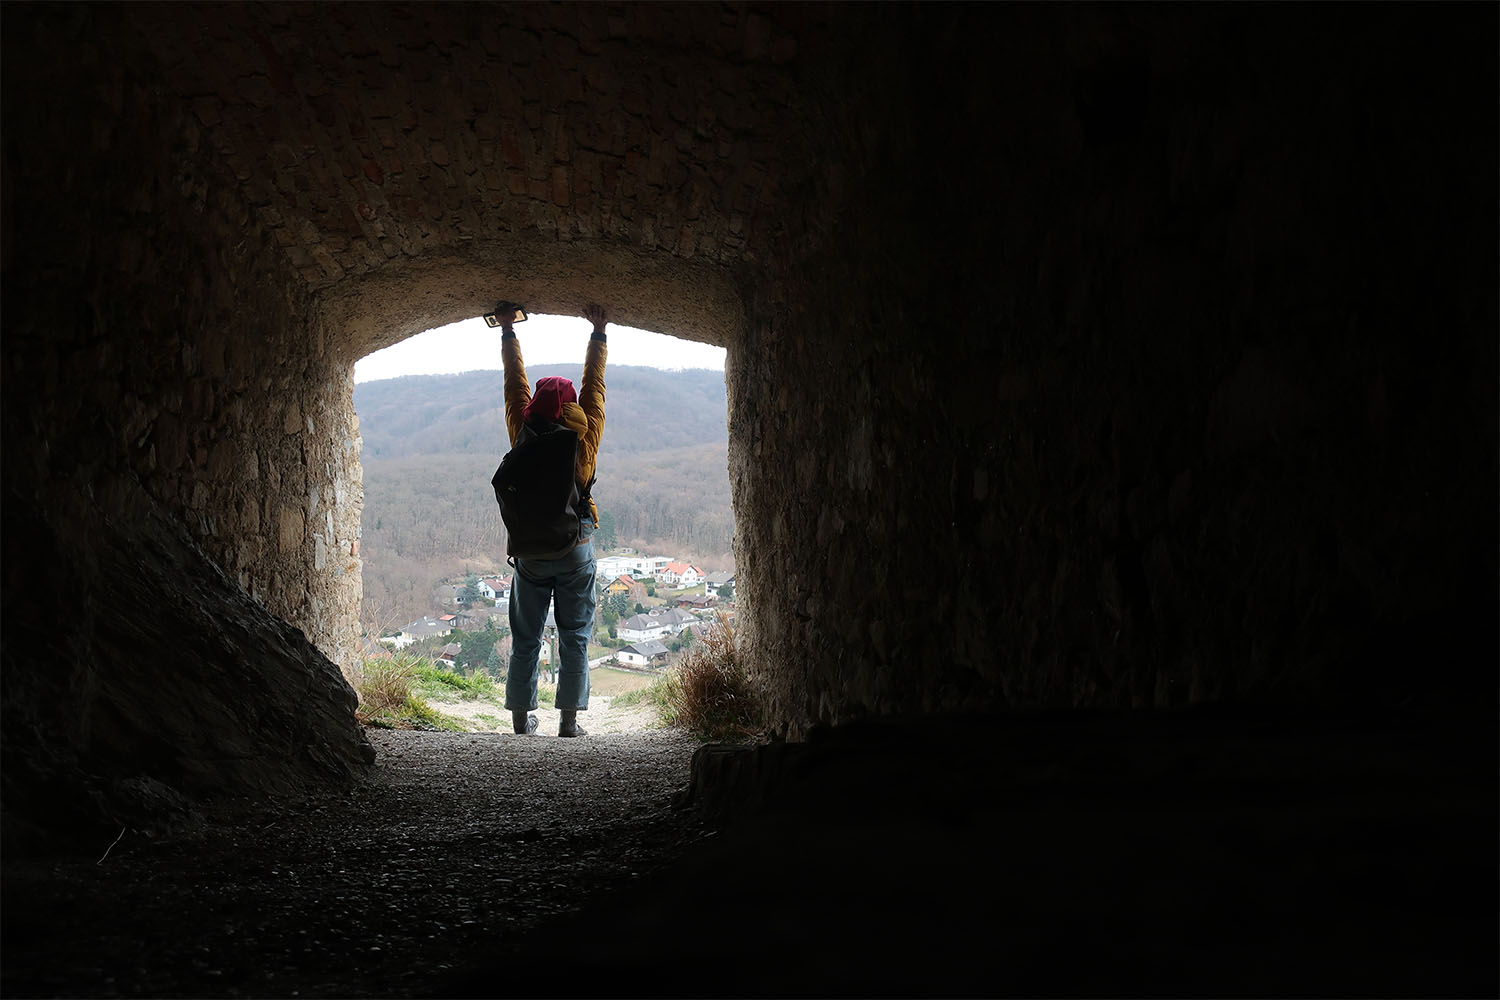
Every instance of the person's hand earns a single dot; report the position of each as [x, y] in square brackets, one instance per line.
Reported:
[594, 313]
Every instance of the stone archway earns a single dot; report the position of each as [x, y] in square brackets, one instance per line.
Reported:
[274, 192]
[1070, 350]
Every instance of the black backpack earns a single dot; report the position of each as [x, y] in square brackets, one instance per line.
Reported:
[540, 501]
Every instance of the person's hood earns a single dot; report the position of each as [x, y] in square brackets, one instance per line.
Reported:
[553, 393]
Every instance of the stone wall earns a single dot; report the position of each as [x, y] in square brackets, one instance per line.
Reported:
[366, 134]
[1102, 356]
[1138, 359]
[182, 356]
[158, 363]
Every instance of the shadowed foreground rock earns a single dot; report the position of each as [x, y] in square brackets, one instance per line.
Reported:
[233, 701]
[1096, 855]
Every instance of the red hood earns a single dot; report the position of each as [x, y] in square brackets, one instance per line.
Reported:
[551, 393]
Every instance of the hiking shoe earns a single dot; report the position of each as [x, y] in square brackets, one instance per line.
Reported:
[575, 729]
[523, 723]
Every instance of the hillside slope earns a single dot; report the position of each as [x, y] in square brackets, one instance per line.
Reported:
[432, 442]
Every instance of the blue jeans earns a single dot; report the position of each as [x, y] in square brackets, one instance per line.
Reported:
[568, 584]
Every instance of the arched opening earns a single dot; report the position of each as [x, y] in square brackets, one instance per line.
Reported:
[1134, 364]
[434, 628]
[246, 221]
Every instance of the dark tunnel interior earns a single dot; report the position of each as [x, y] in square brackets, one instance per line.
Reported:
[1113, 444]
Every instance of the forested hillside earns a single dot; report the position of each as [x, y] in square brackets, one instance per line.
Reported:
[432, 442]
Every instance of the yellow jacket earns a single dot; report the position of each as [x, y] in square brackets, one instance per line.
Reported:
[584, 418]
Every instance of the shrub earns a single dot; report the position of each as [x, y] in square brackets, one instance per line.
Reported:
[386, 683]
[709, 693]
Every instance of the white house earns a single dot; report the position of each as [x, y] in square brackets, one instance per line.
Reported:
[496, 588]
[715, 582]
[611, 567]
[636, 567]
[681, 574]
[677, 619]
[420, 629]
[656, 625]
[641, 654]
[647, 566]
[640, 628]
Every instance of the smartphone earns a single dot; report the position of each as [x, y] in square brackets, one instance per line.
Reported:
[517, 311]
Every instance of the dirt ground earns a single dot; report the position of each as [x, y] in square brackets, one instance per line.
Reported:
[603, 716]
[1064, 854]
[454, 843]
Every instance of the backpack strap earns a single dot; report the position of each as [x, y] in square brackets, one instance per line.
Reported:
[585, 490]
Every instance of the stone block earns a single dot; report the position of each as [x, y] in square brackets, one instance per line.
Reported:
[291, 528]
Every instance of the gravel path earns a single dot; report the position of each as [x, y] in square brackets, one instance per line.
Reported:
[456, 843]
[602, 718]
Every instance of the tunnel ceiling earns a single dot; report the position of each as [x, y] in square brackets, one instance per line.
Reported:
[406, 160]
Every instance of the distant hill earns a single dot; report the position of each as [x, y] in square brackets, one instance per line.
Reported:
[432, 442]
[646, 409]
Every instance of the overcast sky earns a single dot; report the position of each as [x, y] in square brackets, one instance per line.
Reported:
[545, 340]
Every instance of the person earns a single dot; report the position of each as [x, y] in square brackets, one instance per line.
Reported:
[567, 582]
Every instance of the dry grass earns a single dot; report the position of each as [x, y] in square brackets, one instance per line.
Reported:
[386, 697]
[609, 682]
[386, 684]
[709, 693]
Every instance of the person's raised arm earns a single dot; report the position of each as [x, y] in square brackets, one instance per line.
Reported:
[517, 388]
[591, 397]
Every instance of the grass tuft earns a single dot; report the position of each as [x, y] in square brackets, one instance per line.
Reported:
[387, 700]
[385, 684]
[708, 693]
[475, 686]
[421, 715]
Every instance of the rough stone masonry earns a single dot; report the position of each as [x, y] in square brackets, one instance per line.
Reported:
[1106, 357]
